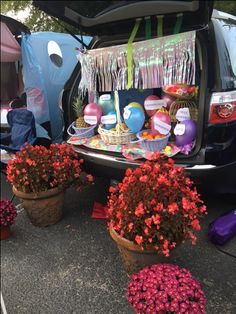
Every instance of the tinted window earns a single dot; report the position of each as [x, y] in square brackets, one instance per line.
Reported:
[226, 47]
[229, 33]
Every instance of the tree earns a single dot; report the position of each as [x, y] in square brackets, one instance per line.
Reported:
[226, 6]
[39, 21]
[36, 20]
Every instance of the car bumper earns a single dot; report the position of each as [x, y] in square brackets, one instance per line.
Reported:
[218, 178]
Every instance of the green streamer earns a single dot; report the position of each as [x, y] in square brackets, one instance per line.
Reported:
[178, 23]
[148, 29]
[160, 26]
[130, 54]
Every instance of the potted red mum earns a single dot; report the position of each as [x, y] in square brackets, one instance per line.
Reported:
[7, 217]
[40, 177]
[165, 288]
[153, 210]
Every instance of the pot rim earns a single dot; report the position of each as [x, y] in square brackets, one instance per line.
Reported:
[38, 195]
[130, 245]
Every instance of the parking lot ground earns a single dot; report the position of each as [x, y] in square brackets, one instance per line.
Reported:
[74, 266]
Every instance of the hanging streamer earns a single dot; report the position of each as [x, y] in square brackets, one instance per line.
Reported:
[159, 26]
[130, 52]
[152, 63]
[148, 28]
[178, 23]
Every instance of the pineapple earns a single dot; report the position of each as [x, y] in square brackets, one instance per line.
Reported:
[78, 108]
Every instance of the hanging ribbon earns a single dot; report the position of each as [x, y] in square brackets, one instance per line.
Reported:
[160, 26]
[178, 23]
[130, 54]
[148, 29]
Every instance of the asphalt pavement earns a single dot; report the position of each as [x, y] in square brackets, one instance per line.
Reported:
[74, 267]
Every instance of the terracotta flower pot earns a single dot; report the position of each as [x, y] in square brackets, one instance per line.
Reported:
[5, 232]
[43, 208]
[134, 257]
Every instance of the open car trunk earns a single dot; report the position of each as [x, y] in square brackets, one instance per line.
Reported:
[95, 153]
[113, 22]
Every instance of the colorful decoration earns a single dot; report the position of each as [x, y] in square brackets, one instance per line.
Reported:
[152, 104]
[109, 68]
[182, 91]
[185, 132]
[152, 142]
[161, 122]
[92, 113]
[106, 102]
[109, 120]
[136, 105]
[168, 100]
[130, 151]
[134, 118]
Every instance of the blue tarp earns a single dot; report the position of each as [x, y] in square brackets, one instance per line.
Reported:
[44, 75]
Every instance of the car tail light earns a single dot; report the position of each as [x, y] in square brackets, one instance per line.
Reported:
[223, 107]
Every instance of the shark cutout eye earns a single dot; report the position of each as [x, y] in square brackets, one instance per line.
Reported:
[55, 54]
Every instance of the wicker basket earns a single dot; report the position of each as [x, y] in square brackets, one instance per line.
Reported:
[153, 145]
[182, 96]
[117, 138]
[178, 104]
[81, 132]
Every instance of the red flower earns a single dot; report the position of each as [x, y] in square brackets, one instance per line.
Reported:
[195, 224]
[90, 178]
[173, 208]
[139, 239]
[36, 168]
[148, 222]
[155, 204]
[139, 211]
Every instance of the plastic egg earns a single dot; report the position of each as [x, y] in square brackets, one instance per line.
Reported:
[134, 118]
[92, 113]
[108, 125]
[190, 132]
[106, 102]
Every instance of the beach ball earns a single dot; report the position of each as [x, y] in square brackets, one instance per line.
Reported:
[190, 132]
[92, 113]
[109, 120]
[136, 105]
[151, 104]
[134, 118]
[161, 123]
[106, 102]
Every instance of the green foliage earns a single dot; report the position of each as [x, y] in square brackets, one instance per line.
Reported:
[37, 20]
[226, 6]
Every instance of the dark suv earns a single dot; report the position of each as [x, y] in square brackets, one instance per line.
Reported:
[110, 22]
